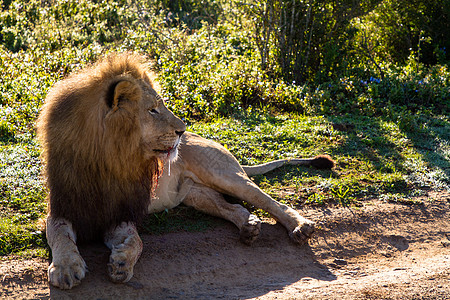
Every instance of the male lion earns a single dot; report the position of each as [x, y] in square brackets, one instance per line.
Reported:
[106, 137]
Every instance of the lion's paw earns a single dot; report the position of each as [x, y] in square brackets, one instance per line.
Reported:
[251, 230]
[120, 266]
[67, 272]
[302, 233]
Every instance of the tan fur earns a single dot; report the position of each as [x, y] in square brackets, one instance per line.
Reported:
[104, 133]
[205, 170]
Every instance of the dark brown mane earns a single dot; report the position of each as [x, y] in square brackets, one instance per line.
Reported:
[97, 175]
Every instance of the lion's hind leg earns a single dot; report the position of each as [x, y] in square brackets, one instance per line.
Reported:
[240, 186]
[300, 229]
[126, 248]
[68, 267]
[213, 203]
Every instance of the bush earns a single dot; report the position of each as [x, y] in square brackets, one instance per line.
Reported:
[58, 24]
[401, 89]
[396, 28]
[7, 134]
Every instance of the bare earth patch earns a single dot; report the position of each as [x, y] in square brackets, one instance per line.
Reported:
[379, 251]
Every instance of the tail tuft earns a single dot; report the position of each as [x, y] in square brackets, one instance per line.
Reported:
[323, 162]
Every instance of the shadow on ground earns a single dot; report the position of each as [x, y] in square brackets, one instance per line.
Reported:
[203, 265]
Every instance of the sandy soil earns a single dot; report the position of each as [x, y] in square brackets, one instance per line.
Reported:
[379, 251]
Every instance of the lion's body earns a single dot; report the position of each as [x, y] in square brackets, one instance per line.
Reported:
[202, 161]
[106, 136]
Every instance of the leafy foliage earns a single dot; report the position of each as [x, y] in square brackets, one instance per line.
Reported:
[395, 29]
[314, 40]
[303, 40]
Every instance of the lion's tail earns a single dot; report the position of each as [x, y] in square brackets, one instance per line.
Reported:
[319, 162]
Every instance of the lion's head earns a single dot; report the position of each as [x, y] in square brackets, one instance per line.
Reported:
[104, 133]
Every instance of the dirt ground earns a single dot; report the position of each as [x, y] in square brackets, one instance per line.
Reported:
[378, 251]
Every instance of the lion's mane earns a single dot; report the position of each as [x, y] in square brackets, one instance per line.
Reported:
[96, 172]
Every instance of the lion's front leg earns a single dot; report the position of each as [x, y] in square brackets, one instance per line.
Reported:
[68, 267]
[126, 247]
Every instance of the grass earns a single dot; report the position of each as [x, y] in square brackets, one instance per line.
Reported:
[182, 218]
[376, 158]
[21, 199]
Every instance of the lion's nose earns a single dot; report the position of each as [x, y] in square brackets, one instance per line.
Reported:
[179, 133]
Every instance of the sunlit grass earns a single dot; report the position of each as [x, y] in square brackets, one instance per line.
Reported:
[374, 159]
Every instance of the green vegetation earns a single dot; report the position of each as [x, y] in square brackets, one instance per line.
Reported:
[367, 83]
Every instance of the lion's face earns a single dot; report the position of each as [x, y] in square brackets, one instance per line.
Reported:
[159, 129]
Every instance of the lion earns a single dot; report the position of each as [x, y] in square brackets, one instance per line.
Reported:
[113, 152]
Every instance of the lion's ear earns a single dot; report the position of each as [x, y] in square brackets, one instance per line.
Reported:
[123, 91]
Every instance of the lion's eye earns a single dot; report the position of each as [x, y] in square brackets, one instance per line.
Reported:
[153, 111]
